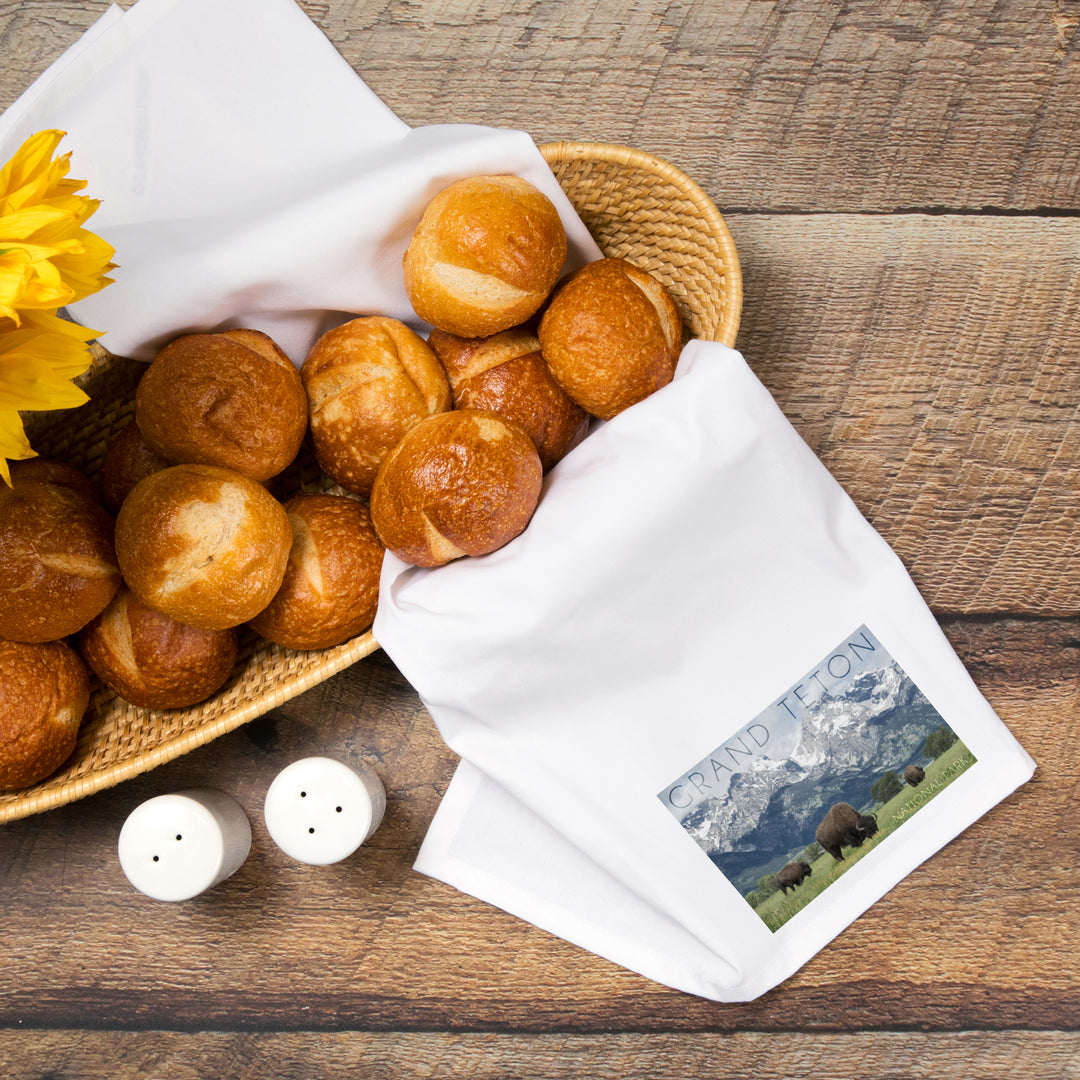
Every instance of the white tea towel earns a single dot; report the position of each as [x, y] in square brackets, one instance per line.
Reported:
[247, 175]
[660, 688]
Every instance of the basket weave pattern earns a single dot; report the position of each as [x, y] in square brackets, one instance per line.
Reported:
[636, 207]
[640, 208]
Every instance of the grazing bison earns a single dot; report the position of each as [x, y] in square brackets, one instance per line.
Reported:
[843, 826]
[914, 775]
[794, 873]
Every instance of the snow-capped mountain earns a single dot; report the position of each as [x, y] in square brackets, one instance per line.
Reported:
[846, 741]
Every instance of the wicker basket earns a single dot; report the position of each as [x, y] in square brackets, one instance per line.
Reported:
[636, 206]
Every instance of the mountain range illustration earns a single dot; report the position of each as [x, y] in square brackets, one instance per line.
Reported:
[847, 740]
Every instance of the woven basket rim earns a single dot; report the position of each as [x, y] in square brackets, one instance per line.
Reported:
[709, 215]
[50, 794]
[49, 798]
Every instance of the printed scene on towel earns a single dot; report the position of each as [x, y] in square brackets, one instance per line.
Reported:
[800, 781]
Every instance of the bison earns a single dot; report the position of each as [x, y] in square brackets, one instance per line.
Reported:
[794, 873]
[843, 826]
[914, 775]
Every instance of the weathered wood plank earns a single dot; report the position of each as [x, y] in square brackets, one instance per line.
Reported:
[989, 928]
[781, 105]
[34, 34]
[931, 363]
[403, 1056]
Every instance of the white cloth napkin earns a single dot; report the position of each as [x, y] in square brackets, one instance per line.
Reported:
[689, 570]
[248, 177]
[697, 618]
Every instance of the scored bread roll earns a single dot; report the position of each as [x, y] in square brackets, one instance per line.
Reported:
[151, 659]
[58, 566]
[507, 374]
[611, 336]
[460, 483]
[368, 381]
[40, 470]
[331, 586]
[232, 399]
[128, 459]
[484, 256]
[44, 692]
[203, 544]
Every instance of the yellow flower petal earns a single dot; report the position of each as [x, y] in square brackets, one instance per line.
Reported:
[49, 322]
[15, 274]
[25, 223]
[47, 260]
[43, 354]
[25, 393]
[41, 253]
[45, 292]
[30, 174]
[84, 271]
[14, 444]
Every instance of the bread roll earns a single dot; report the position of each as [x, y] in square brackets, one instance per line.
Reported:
[232, 399]
[611, 336]
[151, 659]
[44, 692]
[128, 459]
[44, 470]
[506, 374]
[203, 544]
[461, 483]
[485, 255]
[331, 586]
[368, 381]
[58, 567]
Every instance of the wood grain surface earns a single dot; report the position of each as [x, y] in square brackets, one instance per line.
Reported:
[491, 1055]
[902, 180]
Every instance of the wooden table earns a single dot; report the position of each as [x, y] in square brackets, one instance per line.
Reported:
[903, 183]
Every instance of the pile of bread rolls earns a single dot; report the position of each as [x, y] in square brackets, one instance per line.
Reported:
[529, 359]
[438, 448]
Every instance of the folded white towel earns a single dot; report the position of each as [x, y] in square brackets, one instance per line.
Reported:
[660, 688]
[247, 175]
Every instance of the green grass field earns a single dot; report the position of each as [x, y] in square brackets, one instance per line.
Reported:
[940, 773]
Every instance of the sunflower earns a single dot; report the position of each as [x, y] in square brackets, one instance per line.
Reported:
[47, 260]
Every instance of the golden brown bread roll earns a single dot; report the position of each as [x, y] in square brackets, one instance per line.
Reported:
[331, 586]
[506, 374]
[368, 381]
[611, 336]
[232, 399]
[44, 691]
[460, 483]
[203, 544]
[485, 255]
[151, 659]
[58, 567]
[128, 459]
[44, 470]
